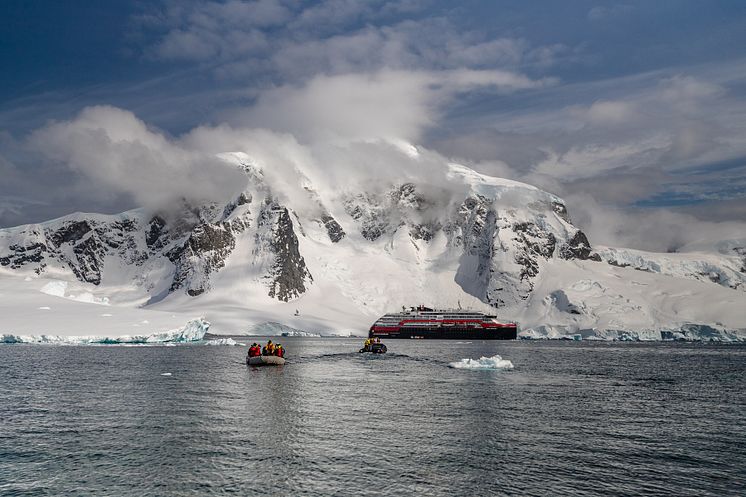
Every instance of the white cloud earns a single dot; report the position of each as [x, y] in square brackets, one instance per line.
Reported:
[657, 230]
[388, 104]
[688, 88]
[290, 42]
[119, 154]
[607, 111]
[594, 160]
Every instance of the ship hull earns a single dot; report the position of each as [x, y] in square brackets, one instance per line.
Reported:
[454, 333]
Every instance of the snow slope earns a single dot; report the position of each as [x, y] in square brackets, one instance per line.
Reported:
[605, 301]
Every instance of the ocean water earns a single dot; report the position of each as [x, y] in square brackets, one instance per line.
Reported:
[570, 418]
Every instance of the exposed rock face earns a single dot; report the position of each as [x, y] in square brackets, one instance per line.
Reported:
[578, 247]
[89, 255]
[288, 274]
[155, 230]
[370, 214]
[475, 215]
[406, 197]
[194, 245]
[533, 243]
[69, 232]
[560, 209]
[203, 253]
[31, 250]
[80, 246]
[206, 245]
[333, 229]
[473, 229]
[378, 215]
[425, 231]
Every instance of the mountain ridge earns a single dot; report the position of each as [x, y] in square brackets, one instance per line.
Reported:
[490, 243]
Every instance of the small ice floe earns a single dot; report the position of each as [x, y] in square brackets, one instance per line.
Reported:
[494, 362]
[165, 374]
[106, 315]
[45, 308]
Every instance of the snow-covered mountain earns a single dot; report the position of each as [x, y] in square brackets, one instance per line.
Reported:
[333, 260]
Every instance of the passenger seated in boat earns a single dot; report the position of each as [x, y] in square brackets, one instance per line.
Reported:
[254, 350]
[269, 349]
[279, 351]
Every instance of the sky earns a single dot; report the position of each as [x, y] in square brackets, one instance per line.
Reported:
[633, 112]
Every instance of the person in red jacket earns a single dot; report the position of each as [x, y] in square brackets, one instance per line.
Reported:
[279, 350]
[254, 350]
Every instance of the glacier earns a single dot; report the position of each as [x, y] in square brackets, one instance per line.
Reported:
[295, 255]
[192, 331]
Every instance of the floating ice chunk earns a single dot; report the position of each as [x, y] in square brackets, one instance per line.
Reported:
[45, 308]
[494, 362]
[165, 374]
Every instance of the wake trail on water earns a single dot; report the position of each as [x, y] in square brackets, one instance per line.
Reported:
[345, 356]
[484, 363]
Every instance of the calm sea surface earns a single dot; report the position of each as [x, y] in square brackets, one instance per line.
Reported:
[572, 418]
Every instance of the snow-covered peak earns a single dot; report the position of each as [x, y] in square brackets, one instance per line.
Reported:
[407, 148]
[499, 188]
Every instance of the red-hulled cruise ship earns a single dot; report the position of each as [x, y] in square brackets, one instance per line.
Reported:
[423, 322]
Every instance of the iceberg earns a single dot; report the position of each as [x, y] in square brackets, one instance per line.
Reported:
[494, 362]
